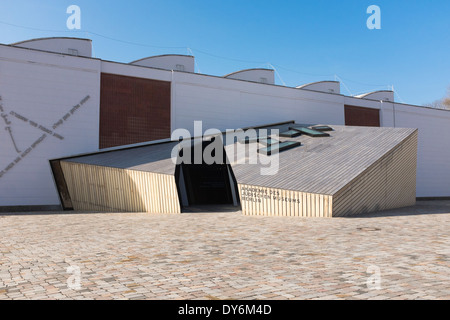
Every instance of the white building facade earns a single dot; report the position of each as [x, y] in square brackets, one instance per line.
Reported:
[58, 101]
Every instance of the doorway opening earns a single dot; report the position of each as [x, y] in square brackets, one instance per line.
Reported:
[203, 184]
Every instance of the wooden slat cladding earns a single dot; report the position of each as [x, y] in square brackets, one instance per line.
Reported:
[387, 184]
[133, 110]
[321, 165]
[362, 117]
[111, 189]
[284, 203]
[356, 170]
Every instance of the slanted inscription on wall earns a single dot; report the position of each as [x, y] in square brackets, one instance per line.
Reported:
[21, 153]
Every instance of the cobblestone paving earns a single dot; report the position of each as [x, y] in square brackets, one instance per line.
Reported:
[227, 256]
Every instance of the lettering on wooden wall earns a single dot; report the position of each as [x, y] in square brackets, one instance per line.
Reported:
[255, 194]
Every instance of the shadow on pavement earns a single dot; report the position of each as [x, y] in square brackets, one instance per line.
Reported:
[211, 209]
[422, 207]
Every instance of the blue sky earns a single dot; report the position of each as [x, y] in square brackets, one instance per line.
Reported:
[305, 41]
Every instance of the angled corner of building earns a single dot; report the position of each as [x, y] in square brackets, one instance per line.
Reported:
[140, 179]
[388, 181]
[355, 170]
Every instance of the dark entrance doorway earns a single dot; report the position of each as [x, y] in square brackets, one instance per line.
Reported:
[207, 184]
[202, 184]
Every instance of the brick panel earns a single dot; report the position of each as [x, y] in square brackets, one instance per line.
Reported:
[360, 116]
[133, 110]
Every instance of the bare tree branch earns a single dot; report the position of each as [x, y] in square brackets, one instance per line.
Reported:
[443, 103]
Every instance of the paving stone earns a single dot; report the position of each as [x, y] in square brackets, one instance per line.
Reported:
[227, 256]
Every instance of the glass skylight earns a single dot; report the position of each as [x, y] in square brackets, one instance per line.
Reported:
[279, 147]
[322, 128]
[310, 132]
[268, 141]
[290, 134]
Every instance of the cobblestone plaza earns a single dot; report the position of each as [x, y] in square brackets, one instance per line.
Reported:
[397, 254]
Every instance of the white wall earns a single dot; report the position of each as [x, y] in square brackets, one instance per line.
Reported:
[228, 104]
[42, 88]
[353, 101]
[433, 167]
[135, 71]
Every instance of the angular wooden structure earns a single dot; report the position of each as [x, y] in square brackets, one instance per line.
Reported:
[355, 170]
[111, 189]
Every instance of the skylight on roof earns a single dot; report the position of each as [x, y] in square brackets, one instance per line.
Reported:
[322, 128]
[279, 147]
[252, 139]
[310, 132]
[268, 141]
[290, 134]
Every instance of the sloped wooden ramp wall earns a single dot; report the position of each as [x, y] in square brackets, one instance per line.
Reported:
[97, 188]
[389, 183]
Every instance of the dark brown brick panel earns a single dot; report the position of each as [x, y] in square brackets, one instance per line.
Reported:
[133, 110]
[360, 116]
